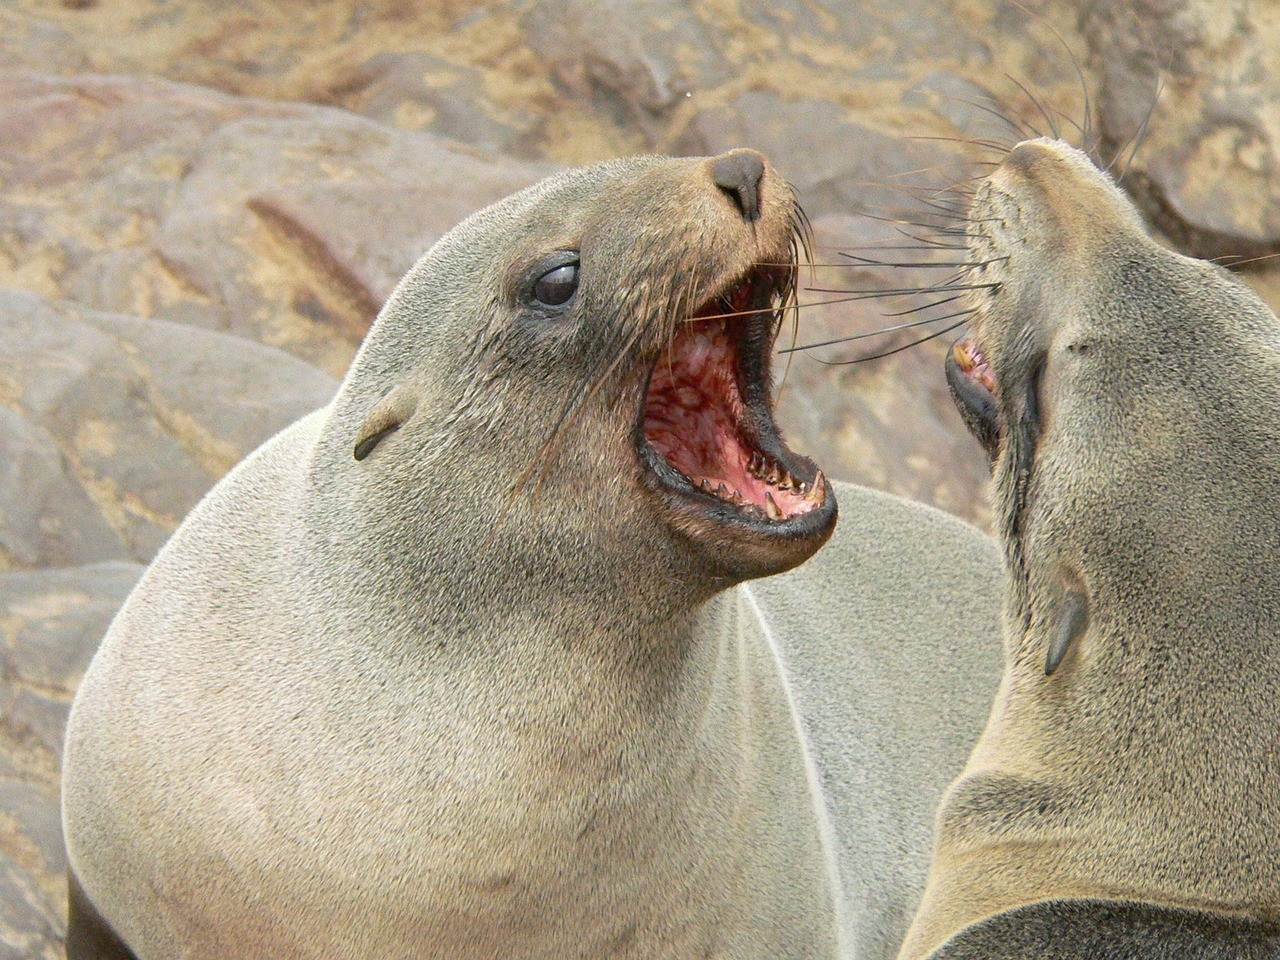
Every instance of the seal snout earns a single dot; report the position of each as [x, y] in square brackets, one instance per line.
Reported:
[1026, 156]
[738, 174]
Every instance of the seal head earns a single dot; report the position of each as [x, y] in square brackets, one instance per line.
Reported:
[654, 336]
[1130, 400]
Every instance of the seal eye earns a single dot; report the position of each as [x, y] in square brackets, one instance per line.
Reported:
[556, 287]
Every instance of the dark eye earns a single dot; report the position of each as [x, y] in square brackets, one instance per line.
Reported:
[557, 287]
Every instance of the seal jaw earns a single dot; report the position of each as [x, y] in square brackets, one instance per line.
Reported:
[706, 436]
[974, 390]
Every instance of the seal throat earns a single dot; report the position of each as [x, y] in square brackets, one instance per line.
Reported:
[706, 414]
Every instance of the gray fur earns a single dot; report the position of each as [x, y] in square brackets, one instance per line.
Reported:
[1144, 768]
[1112, 930]
[384, 708]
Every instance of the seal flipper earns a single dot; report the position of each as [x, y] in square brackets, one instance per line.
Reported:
[1111, 930]
[89, 936]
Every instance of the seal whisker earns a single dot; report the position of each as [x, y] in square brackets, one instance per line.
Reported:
[799, 242]
[1075, 64]
[1035, 102]
[904, 265]
[881, 332]
[945, 166]
[926, 306]
[913, 223]
[1023, 132]
[822, 265]
[1138, 136]
[995, 145]
[906, 346]
[897, 246]
[1240, 263]
[896, 292]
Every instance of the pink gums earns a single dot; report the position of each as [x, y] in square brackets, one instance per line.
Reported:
[693, 418]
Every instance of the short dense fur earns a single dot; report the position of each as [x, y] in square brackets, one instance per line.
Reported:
[1139, 396]
[1112, 930]
[388, 708]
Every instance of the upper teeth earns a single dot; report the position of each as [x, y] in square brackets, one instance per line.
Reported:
[772, 473]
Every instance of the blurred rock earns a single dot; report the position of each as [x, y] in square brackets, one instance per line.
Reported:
[32, 898]
[420, 91]
[285, 224]
[1207, 172]
[119, 425]
[51, 621]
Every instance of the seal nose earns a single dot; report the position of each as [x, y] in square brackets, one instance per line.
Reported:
[1029, 154]
[738, 174]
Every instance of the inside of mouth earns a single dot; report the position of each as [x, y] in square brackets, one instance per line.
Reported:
[697, 420]
[973, 364]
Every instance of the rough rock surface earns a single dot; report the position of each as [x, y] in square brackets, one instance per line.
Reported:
[50, 625]
[202, 206]
[1208, 171]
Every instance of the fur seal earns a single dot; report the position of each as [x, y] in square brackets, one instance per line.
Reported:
[1124, 799]
[460, 664]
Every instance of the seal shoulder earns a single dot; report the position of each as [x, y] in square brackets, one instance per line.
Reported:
[890, 642]
[1111, 930]
[889, 525]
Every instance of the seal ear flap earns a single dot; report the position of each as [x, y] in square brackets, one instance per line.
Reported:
[1073, 621]
[387, 416]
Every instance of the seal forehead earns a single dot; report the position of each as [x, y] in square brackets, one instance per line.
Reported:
[457, 286]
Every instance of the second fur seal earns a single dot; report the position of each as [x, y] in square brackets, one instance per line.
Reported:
[464, 664]
[1124, 800]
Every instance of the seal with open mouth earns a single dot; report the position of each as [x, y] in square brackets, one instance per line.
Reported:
[456, 666]
[1124, 799]
[447, 668]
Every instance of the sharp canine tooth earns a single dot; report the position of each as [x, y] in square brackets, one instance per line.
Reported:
[770, 508]
[818, 493]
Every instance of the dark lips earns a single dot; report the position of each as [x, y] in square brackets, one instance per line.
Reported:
[706, 431]
[973, 388]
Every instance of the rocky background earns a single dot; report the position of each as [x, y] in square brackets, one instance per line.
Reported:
[203, 204]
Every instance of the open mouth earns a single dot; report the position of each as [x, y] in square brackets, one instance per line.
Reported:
[975, 391]
[707, 430]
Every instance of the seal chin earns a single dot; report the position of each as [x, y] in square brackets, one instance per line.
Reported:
[974, 390]
[707, 439]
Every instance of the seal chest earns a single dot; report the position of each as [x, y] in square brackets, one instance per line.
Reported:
[1124, 799]
[449, 668]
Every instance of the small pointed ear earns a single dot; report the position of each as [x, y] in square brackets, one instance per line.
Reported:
[386, 417]
[1073, 621]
